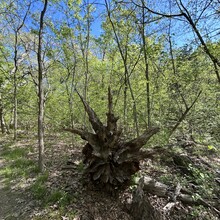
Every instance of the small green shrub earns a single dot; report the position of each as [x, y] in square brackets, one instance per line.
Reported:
[42, 178]
[167, 178]
[80, 166]
[7, 172]
[55, 196]
[59, 196]
[34, 169]
[39, 189]
[196, 213]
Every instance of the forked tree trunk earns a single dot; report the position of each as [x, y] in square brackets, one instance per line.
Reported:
[110, 162]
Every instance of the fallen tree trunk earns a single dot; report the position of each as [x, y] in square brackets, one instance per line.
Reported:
[140, 207]
[150, 185]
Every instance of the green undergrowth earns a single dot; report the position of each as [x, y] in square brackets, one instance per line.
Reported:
[56, 215]
[20, 167]
[48, 196]
[38, 188]
[17, 164]
[197, 176]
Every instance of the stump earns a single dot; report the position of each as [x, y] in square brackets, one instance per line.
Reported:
[110, 161]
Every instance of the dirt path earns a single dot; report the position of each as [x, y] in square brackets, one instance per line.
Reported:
[7, 197]
[13, 204]
[7, 201]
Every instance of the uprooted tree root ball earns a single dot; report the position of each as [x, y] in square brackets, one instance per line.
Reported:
[110, 161]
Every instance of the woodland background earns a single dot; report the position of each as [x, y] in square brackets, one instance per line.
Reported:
[160, 59]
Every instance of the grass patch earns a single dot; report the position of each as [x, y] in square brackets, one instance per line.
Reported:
[49, 197]
[13, 154]
[39, 189]
[7, 172]
[23, 170]
[56, 215]
[18, 165]
[59, 196]
[22, 163]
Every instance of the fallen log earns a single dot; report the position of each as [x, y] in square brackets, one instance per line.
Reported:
[151, 186]
[141, 208]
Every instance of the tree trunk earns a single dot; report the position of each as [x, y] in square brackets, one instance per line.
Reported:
[15, 70]
[127, 84]
[2, 117]
[146, 68]
[41, 93]
[15, 107]
[184, 114]
[141, 208]
[41, 127]
[150, 185]
[15, 86]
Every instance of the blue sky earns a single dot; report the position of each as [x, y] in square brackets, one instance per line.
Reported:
[182, 33]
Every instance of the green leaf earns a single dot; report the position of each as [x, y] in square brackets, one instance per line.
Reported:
[211, 147]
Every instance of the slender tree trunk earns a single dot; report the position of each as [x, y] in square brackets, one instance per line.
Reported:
[14, 71]
[11, 121]
[134, 109]
[184, 114]
[87, 49]
[41, 92]
[171, 49]
[146, 68]
[15, 107]
[125, 103]
[15, 86]
[185, 13]
[41, 125]
[6, 125]
[2, 117]
[127, 84]
[85, 53]
[71, 98]
[214, 59]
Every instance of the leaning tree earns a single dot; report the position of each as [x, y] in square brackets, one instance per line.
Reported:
[109, 160]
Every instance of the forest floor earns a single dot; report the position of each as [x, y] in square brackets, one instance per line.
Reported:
[60, 193]
[15, 201]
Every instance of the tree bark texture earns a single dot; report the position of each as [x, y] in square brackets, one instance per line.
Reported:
[41, 92]
[3, 127]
